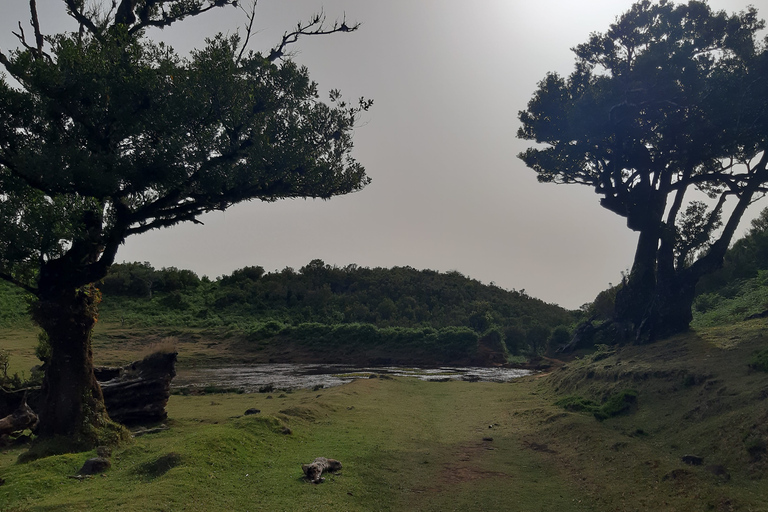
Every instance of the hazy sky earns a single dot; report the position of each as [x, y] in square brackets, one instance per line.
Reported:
[447, 78]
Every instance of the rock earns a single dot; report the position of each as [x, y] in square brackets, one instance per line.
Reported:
[252, 411]
[692, 460]
[94, 466]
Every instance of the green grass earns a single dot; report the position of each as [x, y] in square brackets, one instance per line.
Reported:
[404, 445]
[412, 445]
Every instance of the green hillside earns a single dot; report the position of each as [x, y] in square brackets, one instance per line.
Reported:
[320, 313]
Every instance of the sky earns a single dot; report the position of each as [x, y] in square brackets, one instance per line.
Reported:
[448, 79]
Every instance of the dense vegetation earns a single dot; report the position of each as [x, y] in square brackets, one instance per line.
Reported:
[740, 288]
[319, 298]
[400, 309]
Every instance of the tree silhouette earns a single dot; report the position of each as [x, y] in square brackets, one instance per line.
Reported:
[106, 134]
[672, 99]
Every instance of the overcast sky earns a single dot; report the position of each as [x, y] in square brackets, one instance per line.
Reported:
[448, 78]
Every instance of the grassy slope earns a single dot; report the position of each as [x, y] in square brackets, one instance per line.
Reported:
[405, 445]
[409, 445]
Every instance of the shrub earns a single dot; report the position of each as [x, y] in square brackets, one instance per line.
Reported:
[617, 404]
[759, 361]
[577, 404]
[559, 337]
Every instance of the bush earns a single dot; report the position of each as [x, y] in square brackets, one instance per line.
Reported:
[575, 403]
[559, 337]
[759, 361]
[262, 331]
[615, 405]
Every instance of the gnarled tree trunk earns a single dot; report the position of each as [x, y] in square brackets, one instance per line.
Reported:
[72, 405]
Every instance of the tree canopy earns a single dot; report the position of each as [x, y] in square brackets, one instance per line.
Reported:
[665, 117]
[105, 133]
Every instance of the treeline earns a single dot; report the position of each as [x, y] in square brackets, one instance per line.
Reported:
[251, 300]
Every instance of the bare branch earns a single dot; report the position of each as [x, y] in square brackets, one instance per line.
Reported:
[314, 27]
[82, 19]
[37, 49]
[36, 25]
[165, 19]
[248, 30]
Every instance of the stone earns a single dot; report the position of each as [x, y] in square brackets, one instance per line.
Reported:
[94, 466]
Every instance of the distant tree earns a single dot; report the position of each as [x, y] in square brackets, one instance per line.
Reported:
[537, 337]
[105, 134]
[130, 279]
[671, 99]
[559, 336]
[515, 339]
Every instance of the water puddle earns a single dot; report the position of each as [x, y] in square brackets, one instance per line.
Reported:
[253, 378]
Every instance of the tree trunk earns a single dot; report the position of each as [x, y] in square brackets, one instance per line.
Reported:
[633, 298]
[72, 404]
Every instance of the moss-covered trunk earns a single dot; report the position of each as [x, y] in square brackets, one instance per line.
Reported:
[72, 405]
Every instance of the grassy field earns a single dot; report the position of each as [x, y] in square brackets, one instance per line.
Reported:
[424, 446]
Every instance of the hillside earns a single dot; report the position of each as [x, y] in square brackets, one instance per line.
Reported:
[319, 313]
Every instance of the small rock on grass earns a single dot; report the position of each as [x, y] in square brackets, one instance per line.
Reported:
[94, 466]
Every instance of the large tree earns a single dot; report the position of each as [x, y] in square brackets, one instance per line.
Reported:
[666, 117]
[105, 134]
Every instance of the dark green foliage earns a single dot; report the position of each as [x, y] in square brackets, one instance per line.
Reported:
[671, 98]
[759, 361]
[740, 287]
[446, 344]
[106, 133]
[515, 339]
[577, 404]
[602, 308]
[14, 306]
[43, 348]
[616, 404]
[538, 335]
[559, 337]
[327, 295]
[743, 261]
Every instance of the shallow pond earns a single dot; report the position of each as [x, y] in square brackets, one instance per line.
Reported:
[252, 378]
